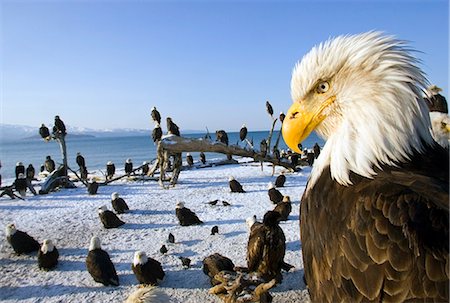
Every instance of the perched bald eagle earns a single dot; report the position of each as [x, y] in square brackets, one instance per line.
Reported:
[266, 247]
[172, 128]
[44, 132]
[157, 133]
[374, 214]
[284, 208]
[48, 255]
[203, 157]
[128, 166]
[119, 204]
[274, 194]
[21, 242]
[147, 270]
[186, 216]
[243, 132]
[156, 116]
[280, 180]
[189, 159]
[110, 170]
[59, 126]
[108, 218]
[99, 264]
[235, 186]
[222, 136]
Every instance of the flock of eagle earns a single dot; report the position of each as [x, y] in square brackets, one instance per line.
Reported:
[374, 217]
[266, 245]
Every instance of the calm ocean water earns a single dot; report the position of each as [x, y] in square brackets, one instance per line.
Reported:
[97, 151]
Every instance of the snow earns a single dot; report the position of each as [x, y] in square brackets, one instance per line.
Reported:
[69, 218]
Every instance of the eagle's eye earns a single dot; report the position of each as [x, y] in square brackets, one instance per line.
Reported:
[322, 87]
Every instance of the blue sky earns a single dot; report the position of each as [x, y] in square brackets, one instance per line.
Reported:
[104, 64]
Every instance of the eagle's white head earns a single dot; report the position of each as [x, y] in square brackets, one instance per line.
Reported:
[140, 257]
[10, 229]
[440, 123]
[47, 246]
[95, 243]
[179, 205]
[114, 195]
[363, 94]
[102, 209]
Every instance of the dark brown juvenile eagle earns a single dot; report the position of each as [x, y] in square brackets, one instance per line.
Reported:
[374, 214]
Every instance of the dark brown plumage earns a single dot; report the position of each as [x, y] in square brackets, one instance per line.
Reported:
[44, 132]
[185, 216]
[214, 264]
[189, 159]
[269, 108]
[266, 247]
[171, 238]
[213, 202]
[108, 218]
[395, 246]
[119, 204]
[146, 269]
[163, 249]
[100, 266]
[172, 128]
[235, 186]
[280, 180]
[157, 133]
[128, 167]
[21, 242]
[202, 157]
[59, 126]
[243, 133]
[156, 116]
[284, 208]
[186, 262]
[214, 230]
[48, 255]
[274, 194]
[110, 170]
[92, 188]
[225, 203]
[222, 136]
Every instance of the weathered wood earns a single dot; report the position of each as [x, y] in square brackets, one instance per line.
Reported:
[174, 146]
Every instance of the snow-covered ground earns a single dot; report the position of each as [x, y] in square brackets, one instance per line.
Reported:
[69, 217]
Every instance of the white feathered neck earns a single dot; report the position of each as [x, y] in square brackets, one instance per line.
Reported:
[379, 116]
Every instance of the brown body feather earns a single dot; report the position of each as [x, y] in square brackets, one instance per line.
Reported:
[266, 248]
[214, 264]
[382, 239]
[148, 273]
[101, 268]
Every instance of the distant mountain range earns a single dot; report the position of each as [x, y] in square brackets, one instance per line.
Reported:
[9, 132]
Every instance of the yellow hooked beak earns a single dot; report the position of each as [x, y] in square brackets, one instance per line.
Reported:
[301, 119]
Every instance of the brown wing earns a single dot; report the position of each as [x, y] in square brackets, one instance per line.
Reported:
[255, 246]
[377, 240]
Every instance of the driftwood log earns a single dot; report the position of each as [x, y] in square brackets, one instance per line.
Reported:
[174, 146]
[237, 287]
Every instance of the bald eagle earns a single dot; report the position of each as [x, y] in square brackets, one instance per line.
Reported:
[440, 123]
[374, 214]
[146, 269]
[48, 255]
[99, 264]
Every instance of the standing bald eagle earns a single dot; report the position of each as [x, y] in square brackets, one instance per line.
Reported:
[147, 270]
[374, 214]
[99, 264]
[157, 133]
[156, 116]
